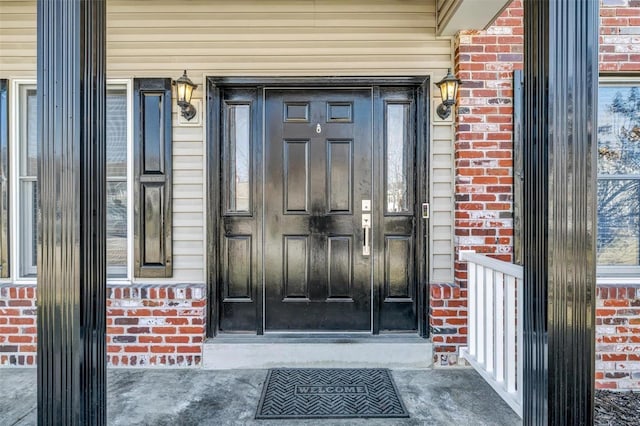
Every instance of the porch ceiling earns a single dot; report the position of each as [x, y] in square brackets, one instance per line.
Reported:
[457, 15]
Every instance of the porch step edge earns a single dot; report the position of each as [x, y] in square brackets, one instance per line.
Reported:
[401, 356]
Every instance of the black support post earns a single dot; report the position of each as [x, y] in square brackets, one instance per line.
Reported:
[559, 205]
[71, 229]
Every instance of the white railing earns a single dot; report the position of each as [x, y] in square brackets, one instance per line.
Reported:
[495, 324]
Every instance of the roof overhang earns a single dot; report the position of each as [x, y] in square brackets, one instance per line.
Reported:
[458, 15]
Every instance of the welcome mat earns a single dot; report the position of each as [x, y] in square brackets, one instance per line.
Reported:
[311, 393]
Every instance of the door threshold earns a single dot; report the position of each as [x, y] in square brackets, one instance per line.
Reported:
[298, 337]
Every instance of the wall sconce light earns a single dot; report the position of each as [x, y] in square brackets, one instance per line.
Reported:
[184, 89]
[448, 90]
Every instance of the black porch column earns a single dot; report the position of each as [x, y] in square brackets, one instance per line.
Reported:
[71, 229]
[561, 81]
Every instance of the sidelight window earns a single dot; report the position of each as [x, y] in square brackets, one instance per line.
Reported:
[238, 157]
[397, 159]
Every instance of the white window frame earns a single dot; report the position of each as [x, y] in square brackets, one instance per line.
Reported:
[17, 87]
[17, 109]
[21, 252]
[128, 84]
[617, 274]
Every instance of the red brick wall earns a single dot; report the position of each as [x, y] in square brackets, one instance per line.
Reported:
[485, 61]
[619, 35]
[155, 325]
[18, 325]
[147, 325]
[447, 322]
[618, 337]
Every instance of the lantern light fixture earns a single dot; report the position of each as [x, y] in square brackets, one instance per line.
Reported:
[448, 90]
[184, 91]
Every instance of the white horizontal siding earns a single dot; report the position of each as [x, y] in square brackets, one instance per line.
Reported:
[188, 218]
[186, 248]
[187, 134]
[284, 37]
[160, 38]
[188, 191]
[187, 175]
[442, 187]
[185, 162]
[188, 148]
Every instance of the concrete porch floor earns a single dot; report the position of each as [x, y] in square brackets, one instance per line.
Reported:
[230, 397]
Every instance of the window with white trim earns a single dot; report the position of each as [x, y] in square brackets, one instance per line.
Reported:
[117, 201]
[618, 240]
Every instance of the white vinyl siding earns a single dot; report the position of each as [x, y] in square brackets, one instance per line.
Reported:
[161, 38]
[442, 203]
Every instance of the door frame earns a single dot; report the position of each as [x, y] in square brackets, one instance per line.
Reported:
[213, 150]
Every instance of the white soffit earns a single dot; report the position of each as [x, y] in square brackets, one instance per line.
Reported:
[458, 15]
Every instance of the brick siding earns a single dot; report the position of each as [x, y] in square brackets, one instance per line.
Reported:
[619, 35]
[18, 329]
[485, 61]
[147, 325]
[618, 337]
[447, 322]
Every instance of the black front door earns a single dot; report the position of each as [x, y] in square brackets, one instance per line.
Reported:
[318, 164]
[318, 224]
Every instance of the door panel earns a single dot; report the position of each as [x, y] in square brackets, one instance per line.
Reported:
[296, 176]
[295, 280]
[398, 277]
[237, 262]
[340, 267]
[318, 162]
[339, 172]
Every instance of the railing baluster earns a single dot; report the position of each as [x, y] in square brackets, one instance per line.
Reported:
[489, 324]
[519, 334]
[480, 314]
[499, 321]
[471, 303]
[511, 334]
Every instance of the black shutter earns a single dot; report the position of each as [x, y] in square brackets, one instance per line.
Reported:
[152, 174]
[4, 180]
